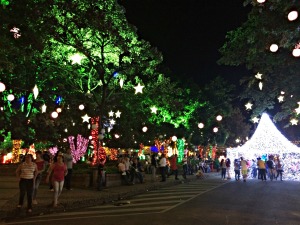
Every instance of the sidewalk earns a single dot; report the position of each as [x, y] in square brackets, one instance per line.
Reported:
[77, 198]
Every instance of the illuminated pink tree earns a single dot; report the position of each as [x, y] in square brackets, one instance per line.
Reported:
[80, 148]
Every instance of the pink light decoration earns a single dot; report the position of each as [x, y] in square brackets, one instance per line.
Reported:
[80, 148]
[94, 134]
[53, 150]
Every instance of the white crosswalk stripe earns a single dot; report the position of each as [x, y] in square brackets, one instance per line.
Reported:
[156, 201]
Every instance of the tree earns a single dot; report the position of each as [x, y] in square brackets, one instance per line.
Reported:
[249, 45]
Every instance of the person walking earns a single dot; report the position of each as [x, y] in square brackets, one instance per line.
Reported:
[184, 166]
[153, 167]
[41, 165]
[26, 173]
[173, 166]
[237, 171]
[244, 166]
[68, 158]
[162, 167]
[262, 169]
[228, 164]
[279, 168]
[58, 170]
[223, 169]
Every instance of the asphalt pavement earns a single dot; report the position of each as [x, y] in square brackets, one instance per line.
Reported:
[76, 198]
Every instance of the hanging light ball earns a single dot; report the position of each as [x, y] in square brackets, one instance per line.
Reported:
[58, 110]
[261, 1]
[144, 129]
[174, 138]
[10, 97]
[274, 48]
[54, 115]
[215, 129]
[81, 107]
[2, 87]
[293, 15]
[219, 118]
[296, 52]
[200, 125]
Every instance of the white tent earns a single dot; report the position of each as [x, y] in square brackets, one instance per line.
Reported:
[267, 140]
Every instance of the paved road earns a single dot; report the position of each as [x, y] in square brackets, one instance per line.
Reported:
[209, 202]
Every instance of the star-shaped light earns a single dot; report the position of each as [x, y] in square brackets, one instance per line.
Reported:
[249, 105]
[153, 109]
[139, 88]
[118, 114]
[255, 120]
[85, 118]
[280, 98]
[260, 85]
[112, 122]
[111, 113]
[258, 76]
[294, 121]
[76, 58]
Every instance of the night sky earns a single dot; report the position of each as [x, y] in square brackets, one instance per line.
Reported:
[189, 33]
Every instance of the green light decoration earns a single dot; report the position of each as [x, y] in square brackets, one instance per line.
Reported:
[180, 147]
[4, 2]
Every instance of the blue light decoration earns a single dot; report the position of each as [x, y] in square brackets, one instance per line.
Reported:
[22, 100]
[58, 100]
[154, 149]
[115, 74]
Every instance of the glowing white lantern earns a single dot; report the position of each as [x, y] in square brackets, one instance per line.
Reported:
[117, 136]
[174, 138]
[2, 87]
[293, 15]
[54, 115]
[215, 129]
[261, 1]
[81, 107]
[274, 48]
[58, 110]
[10, 97]
[219, 118]
[35, 91]
[144, 129]
[296, 52]
[200, 125]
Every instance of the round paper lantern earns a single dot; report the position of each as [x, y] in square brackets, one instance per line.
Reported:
[2, 87]
[10, 97]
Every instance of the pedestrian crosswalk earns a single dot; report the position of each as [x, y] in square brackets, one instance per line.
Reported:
[157, 201]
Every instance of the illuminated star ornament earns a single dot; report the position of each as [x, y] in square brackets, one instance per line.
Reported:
[76, 58]
[280, 98]
[258, 76]
[112, 122]
[118, 114]
[249, 106]
[139, 88]
[294, 121]
[85, 118]
[153, 109]
[255, 120]
[111, 113]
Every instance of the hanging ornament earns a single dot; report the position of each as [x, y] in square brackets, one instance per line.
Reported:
[153, 109]
[260, 85]
[35, 91]
[139, 88]
[121, 82]
[111, 113]
[76, 58]
[280, 98]
[248, 106]
[85, 118]
[2, 87]
[255, 120]
[44, 107]
[118, 114]
[258, 76]
[294, 121]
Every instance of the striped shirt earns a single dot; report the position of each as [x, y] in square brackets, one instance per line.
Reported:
[27, 170]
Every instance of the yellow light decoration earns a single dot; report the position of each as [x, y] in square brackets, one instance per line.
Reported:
[16, 150]
[248, 106]
[153, 109]
[139, 88]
